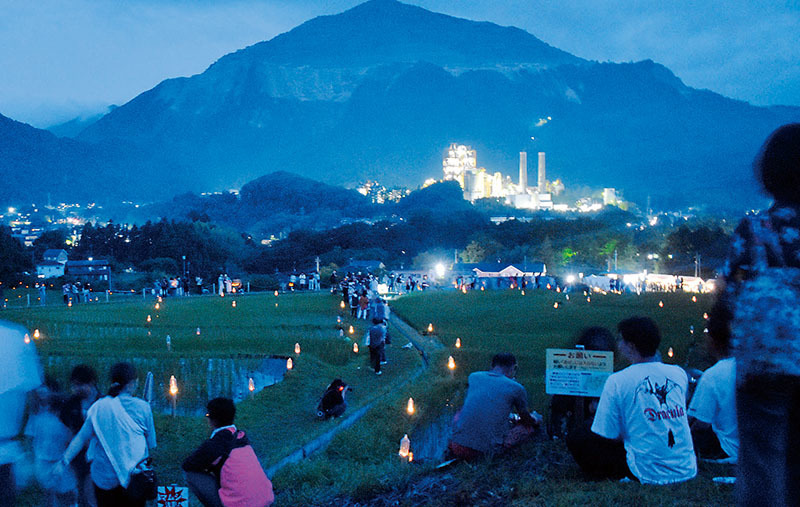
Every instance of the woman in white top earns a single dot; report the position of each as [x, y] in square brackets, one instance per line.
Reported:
[119, 430]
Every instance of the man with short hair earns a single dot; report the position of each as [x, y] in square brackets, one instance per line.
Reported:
[483, 425]
[224, 470]
[644, 407]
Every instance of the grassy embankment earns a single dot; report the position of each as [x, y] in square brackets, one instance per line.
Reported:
[361, 465]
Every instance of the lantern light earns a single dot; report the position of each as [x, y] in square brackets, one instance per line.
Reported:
[276, 293]
[405, 446]
[158, 306]
[705, 316]
[251, 386]
[341, 305]
[296, 348]
[173, 386]
[555, 305]
[198, 331]
[589, 299]
[27, 339]
[451, 363]
[694, 299]
[410, 406]
[458, 343]
[410, 456]
[36, 334]
[149, 319]
[670, 353]
[430, 327]
[289, 364]
[233, 304]
[661, 304]
[355, 348]
[352, 329]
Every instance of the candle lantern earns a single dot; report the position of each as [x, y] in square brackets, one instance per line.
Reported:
[233, 304]
[589, 299]
[36, 334]
[705, 316]
[198, 331]
[251, 386]
[351, 330]
[694, 299]
[458, 343]
[451, 363]
[173, 386]
[27, 339]
[661, 304]
[289, 364]
[341, 305]
[149, 319]
[670, 352]
[158, 306]
[355, 348]
[555, 305]
[430, 327]
[405, 446]
[296, 348]
[410, 406]
[276, 293]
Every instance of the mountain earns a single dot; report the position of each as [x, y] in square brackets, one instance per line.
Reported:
[380, 91]
[75, 126]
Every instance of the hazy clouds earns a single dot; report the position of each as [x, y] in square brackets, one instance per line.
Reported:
[63, 58]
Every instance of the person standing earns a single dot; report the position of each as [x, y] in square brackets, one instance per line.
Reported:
[762, 287]
[83, 384]
[377, 344]
[119, 431]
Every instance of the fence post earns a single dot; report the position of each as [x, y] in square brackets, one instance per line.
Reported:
[107, 291]
[143, 296]
[248, 287]
[29, 299]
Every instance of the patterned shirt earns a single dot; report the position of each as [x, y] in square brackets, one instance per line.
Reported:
[763, 283]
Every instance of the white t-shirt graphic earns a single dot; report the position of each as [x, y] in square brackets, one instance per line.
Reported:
[714, 402]
[645, 406]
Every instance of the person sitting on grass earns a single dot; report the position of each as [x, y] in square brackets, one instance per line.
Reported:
[483, 426]
[224, 470]
[643, 408]
[712, 411]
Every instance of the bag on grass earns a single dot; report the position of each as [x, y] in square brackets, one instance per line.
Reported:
[143, 484]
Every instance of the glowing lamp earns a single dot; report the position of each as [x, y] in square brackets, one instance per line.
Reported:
[158, 306]
[233, 304]
[523, 292]
[27, 339]
[410, 407]
[705, 316]
[694, 299]
[483, 288]
[430, 327]
[338, 320]
[405, 446]
[548, 286]
[160, 300]
[149, 319]
[36, 334]
[458, 343]
[558, 289]
[410, 456]
[463, 290]
[355, 348]
[289, 364]
[173, 386]
[451, 363]
[589, 299]
[70, 303]
[296, 348]
[341, 305]
[276, 293]
[670, 352]
[661, 304]
[351, 330]
[251, 386]
[555, 305]
[198, 331]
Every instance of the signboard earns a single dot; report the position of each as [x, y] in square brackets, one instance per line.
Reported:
[576, 372]
[172, 496]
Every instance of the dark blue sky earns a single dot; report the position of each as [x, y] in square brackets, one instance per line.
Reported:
[63, 58]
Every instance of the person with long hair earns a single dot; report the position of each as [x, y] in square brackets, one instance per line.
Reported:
[119, 431]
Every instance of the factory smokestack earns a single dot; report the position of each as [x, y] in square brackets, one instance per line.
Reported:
[542, 182]
[523, 170]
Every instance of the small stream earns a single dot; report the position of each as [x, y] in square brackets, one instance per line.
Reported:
[198, 379]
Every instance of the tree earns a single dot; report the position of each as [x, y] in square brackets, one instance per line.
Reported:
[473, 253]
[13, 259]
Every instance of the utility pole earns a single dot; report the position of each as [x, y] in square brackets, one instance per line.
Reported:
[696, 264]
[615, 260]
[316, 259]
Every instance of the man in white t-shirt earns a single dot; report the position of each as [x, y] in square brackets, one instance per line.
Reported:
[644, 405]
[712, 411]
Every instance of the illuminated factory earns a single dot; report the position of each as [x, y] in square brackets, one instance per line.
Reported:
[460, 164]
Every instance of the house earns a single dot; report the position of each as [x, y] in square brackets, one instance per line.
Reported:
[50, 269]
[363, 266]
[500, 270]
[55, 255]
[92, 269]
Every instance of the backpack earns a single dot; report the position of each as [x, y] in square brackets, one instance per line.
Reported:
[242, 481]
[765, 329]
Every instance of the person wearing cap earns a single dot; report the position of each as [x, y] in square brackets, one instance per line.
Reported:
[224, 470]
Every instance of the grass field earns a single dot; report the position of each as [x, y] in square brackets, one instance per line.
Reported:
[361, 464]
